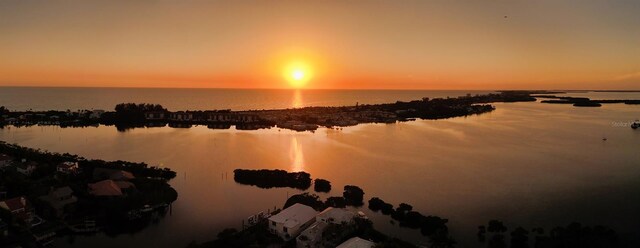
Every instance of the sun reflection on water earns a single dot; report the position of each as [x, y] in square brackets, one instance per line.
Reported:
[296, 156]
[297, 99]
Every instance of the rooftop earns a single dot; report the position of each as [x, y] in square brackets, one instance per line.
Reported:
[294, 215]
[105, 188]
[113, 174]
[63, 191]
[356, 242]
[14, 204]
[336, 215]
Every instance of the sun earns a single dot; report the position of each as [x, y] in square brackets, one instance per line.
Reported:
[297, 74]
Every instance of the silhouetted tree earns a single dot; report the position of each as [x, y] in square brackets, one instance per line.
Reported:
[321, 185]
[520, 238]
[310, 200]
[336, 202]
[353, 195]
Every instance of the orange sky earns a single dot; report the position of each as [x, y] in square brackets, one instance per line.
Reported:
[348, 44]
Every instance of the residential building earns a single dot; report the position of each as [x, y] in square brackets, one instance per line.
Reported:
[154, 115]
[67, 167]
[312, 236]
[109, 188]
[356, 242]
[181, 116]
[291, 221]
[19, 208]
[96, 114]
[336, 216]
[60, 200]
[112, 174]
[26, 167]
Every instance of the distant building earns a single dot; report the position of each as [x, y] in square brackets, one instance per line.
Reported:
[246, 118]
[67, 167]
[154, 115]
[356, 242]
[60, 200]
[26, 167]
[112, 174]
[19, 208]
[336, 216]
[96, 114]
[291, 221]
[181, 116]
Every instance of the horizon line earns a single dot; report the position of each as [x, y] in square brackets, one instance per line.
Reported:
[259, 88]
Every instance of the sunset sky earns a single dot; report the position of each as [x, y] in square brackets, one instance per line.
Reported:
[444, 44]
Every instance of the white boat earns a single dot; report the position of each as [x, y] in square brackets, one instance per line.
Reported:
[89, 226]
[635, 124]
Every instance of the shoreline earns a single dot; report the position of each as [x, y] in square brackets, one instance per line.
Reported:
[132, 115]
[47, 195]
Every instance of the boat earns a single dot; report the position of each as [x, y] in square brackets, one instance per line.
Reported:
[89, 226]
[635, 124]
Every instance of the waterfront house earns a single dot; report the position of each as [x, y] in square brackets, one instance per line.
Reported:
[110, 188]
[312, 236]
[181, 116]
[26, 167]
[67, 167]
[291, 221]
[96, 114]
[19, 208]
[356, 242]
[336, 216]
[246, 118]
[154, 115]
[60, 200]
[112, 174]
[218, 117]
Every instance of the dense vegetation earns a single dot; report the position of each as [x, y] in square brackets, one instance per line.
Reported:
[574, 235]
[582, 101]
[432, 226]
[273, 178]
[353, 195]
[321, 185]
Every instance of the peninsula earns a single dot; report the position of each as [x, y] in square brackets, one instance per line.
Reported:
[131, 115]
[44, 194]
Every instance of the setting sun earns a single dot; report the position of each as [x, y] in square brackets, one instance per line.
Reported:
[298, 74]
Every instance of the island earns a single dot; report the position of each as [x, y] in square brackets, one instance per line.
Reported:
[44, 194]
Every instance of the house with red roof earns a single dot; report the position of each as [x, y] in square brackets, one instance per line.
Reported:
[110, 188]
[19, 207]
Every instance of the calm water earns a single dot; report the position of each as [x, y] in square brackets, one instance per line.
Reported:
[529, 164]
[24, 98]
